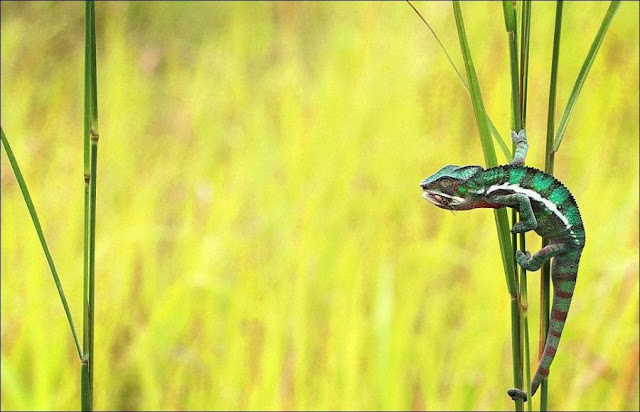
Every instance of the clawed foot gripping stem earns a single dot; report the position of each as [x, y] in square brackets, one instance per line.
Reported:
[516, 394]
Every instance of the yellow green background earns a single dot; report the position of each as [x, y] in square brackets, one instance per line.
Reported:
[261, 238]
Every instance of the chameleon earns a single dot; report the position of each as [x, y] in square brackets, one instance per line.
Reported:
[545, 206]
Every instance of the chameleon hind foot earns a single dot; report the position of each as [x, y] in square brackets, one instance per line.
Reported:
[535, 262]
[528, 262]
[523, 258]
[516, 394]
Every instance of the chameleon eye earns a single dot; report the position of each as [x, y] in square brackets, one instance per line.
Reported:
[446, 183]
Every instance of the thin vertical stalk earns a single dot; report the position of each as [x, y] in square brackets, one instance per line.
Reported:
[85, 377]
[90, 178]
[516, 123]
[545, 274]
[524, 59]
[502, 221]
[510, 25]
[94, 178]
[553, 143]
[524, 313]
[515, 349]
[92, 254]
[524, 301]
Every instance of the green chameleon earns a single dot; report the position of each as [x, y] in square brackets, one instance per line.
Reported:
[545, 205]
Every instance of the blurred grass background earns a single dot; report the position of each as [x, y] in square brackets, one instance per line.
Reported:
[262, 243]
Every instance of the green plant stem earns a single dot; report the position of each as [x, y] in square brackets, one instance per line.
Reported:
[43, 242]
[502, 222]
[510, 25]
[545, 274]
[90, 177]
[92, 255]
[85, 377]
[515, 349]
[524, 310]
[85, 390]
[524, 321]
[516, 124]
[500, 215]
[524, 300]
[524, 59]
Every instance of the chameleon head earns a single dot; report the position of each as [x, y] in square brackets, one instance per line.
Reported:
[444, 190]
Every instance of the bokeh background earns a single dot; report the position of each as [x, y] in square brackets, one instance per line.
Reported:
[262, 242]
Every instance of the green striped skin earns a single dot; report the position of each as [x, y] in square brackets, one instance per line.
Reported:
[548, 187]
[545, 206]
[550, 226]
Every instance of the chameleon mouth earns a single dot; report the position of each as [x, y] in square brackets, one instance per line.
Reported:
[442, 200]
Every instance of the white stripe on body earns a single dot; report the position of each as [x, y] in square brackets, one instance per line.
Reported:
[532, 194]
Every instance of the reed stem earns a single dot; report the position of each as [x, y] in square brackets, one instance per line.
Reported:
[500, 215]
[516, 125]
[85, 377]
[90, 179]
[524, 301]
[545, 274]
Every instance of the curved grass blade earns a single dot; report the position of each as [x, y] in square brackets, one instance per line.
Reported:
[43, 242]
[502, 222]
[584, 71]
[487, 148]
[494, 131]
[455, 68]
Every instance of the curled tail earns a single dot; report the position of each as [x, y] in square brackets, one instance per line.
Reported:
[564, 275]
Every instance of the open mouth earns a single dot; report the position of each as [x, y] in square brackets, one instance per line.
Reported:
[441, 199]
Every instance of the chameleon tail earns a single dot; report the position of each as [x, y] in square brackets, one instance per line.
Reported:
[564, 274]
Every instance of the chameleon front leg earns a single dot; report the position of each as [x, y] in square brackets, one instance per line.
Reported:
[535, 262]
[527, 218]
[520, 140]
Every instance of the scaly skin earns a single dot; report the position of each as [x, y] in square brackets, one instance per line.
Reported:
[545, 205]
